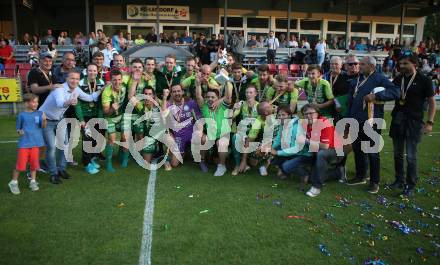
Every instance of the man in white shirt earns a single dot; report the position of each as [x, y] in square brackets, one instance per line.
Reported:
[321, 48]
[272, 45]
[109, 52]
[54, 107]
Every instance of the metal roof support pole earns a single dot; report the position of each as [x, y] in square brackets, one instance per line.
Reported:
[289, 7]
[347, 22]
[14, 19]
[86, 2]
[402, 16]
[225, 22]
[157, 21]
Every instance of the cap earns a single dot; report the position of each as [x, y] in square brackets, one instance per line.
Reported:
[46, 55]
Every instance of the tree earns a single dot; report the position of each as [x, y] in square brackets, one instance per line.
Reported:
[432, 27]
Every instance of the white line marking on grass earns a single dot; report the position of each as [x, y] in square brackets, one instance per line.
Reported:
[8, 142]
[147, 233]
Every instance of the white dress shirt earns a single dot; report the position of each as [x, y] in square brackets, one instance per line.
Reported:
[54, 107]
[272, 43]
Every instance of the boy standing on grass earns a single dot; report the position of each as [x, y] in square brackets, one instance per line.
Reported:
[29, 125]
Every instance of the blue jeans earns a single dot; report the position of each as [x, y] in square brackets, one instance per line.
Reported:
[324, 159]
[400, 143]
[297, 165]
[321, 57]
[49, 134]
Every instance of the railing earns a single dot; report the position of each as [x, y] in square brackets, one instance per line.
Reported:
[21, 52]
[283, 54]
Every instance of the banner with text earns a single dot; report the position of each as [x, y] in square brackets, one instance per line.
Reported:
[10, 90]
[165, 12]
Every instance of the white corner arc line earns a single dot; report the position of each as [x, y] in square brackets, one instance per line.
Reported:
[147, 230]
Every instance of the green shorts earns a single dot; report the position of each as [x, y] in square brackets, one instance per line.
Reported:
[150, 145]
[137, 128]
[117, 124]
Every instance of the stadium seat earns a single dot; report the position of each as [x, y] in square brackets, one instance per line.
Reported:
[283, 69]
[272, 69]
[10, 70]
[294, 69]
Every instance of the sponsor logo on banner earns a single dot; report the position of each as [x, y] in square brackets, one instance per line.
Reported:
[10, 90]
[165, 12]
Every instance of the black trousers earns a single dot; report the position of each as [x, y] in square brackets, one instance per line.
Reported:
[364, 160]
[87, 157]
[271, 56]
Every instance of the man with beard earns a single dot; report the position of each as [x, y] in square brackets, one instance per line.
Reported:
[207, 81]
[183, 114]
[218, 110]
[168, 75]
[407, 120]
[263, 83]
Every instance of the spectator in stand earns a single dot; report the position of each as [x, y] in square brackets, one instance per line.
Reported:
[352, 45]
[174, 38]
[48, 38]
[151, 36]
[67, 39]
[306, 44]
[129, 40]
[413, 47]
[272, 45]
[373, 46]
[260, 42]
[61, 38]
[101, 36]
[237, 43]
[80, 55]
[12, 40]
[92, 39]
[164, 38]
[292, 42]
[186, 39]
[362, 46]
[26, 40]
[51, 48]
[139, 40]
[213, 46]
[426, 69]
[388, 46]
[333, 44]
[252, 43]
[380, 46]
[283, 41]
[201, 49]
[109, 52]
[321, 49]
[34, 55]
[422, 48]
[6, 53]
[119, 42]
[221, 40]
[36, 39]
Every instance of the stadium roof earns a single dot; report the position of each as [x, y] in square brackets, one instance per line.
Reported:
[414, 8]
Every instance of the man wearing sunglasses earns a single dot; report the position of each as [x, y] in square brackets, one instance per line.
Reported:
[407, 124]
[352, 67]
[361, 92]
